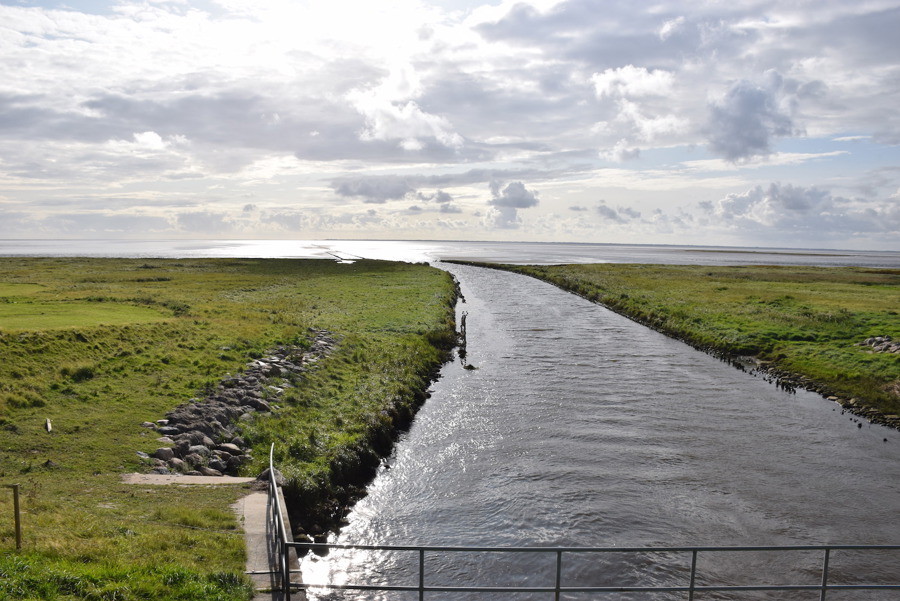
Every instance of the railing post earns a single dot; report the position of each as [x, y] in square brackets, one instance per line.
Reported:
[693, 574]
[825, 575]
[558, 573]
[281, 544]
[421, 574]
[286, 571]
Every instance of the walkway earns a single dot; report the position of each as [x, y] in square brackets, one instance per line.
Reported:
[253, 511]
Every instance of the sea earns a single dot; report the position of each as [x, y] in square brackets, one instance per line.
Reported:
[533, 253]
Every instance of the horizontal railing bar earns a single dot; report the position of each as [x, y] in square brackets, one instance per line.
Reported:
[330, 546]
[412, 548]
[594, 589]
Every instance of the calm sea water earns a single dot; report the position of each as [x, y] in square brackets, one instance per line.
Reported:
[499, 252]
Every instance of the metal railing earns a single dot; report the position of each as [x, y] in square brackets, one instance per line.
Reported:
[690, 587]
[282, 542]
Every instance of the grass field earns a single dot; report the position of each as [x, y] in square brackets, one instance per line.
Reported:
[804, 320]
[100, 345]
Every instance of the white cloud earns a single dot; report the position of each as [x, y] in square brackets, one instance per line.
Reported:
[392, 114]
[505, 204]
[373, 190]
[514, 195]
[632, 82]
[620, 153]
[747, 119]
[150, 139]
[670, 27]
[807, 214]
[504, 218]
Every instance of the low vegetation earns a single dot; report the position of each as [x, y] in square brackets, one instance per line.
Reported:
[97, 346]
[806, 321]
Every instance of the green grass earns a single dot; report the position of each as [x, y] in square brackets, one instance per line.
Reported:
[804, 320]
[25, 316]
[87, 535]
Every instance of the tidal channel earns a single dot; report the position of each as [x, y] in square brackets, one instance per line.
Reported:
[579, 427]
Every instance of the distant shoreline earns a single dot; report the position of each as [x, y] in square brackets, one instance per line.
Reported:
[763, 252]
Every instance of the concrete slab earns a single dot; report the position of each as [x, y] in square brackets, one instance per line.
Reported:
[165, 479]
[253, 511]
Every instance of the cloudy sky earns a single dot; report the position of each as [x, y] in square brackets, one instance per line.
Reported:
[740, 122]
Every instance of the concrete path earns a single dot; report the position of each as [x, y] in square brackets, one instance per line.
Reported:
[165, 479]
[253, 511]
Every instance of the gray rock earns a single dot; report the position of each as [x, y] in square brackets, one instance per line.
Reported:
[230, 448]
[208, 471]
[164, 453]
[257, 404]
[199, 449]
[182, 447]
[236, 461]
[193, 460]
[218, 465]
[265, 477]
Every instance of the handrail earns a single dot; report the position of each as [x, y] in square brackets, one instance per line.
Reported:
[558, 588]
[283, 545]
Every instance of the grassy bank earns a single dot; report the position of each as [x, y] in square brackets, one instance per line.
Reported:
[805, 322]
[98, 346]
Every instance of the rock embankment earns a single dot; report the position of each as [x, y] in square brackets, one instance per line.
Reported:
[882, 344]
[202, 437]
[790, 382]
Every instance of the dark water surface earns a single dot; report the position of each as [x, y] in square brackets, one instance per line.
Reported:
[582, 428]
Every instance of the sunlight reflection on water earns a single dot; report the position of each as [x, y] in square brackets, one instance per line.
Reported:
[428, 251]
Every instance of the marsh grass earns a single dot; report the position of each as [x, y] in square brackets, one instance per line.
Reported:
[96, 377]
[806, 320]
